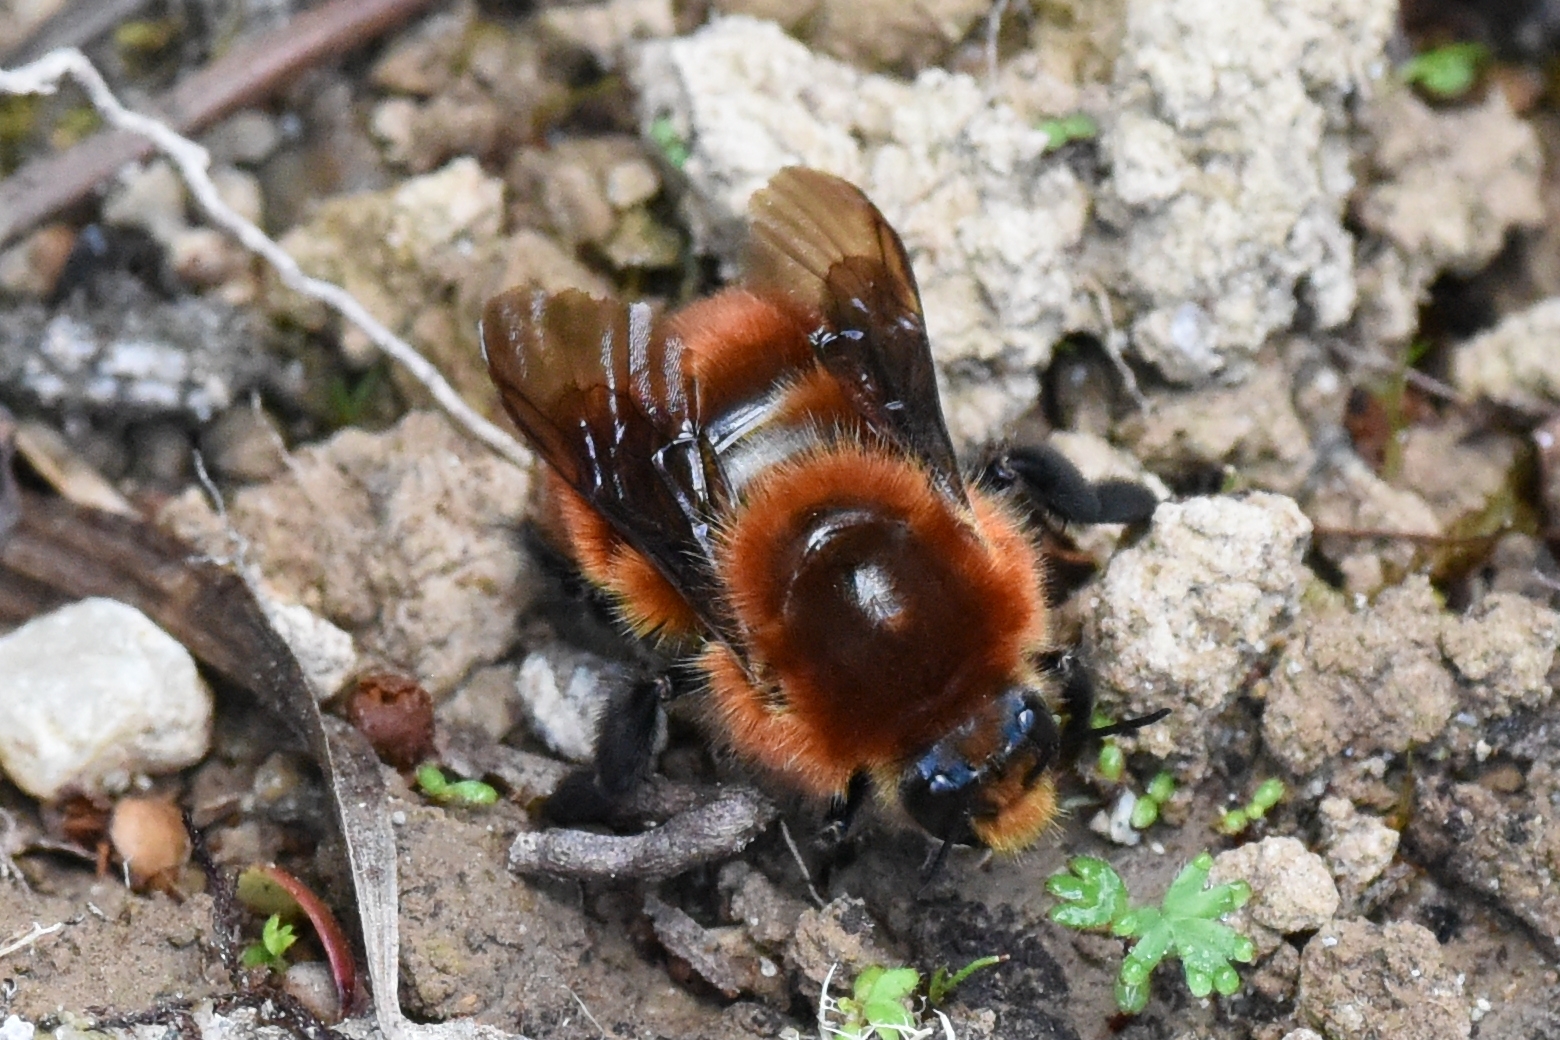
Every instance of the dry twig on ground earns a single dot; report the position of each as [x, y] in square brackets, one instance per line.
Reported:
[192, 161]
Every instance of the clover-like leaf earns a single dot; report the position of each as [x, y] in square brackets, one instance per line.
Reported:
[885, 984]
[1093, 894]
[1185, 925]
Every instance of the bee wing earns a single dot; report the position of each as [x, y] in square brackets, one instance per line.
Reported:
[602, 395]
[820, 239]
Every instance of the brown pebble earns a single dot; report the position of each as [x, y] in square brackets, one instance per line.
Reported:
[148, 836]
[1503, 779]
[396, 715]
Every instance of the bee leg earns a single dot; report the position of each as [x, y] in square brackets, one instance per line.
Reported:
[842, 814]
[1077, 689]
[579, 612]
[625, 745]
[1057, 489]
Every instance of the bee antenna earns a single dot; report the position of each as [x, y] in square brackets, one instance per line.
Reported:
[1129, 725]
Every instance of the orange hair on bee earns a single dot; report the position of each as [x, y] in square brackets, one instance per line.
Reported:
[647, 601]
[821, 732]
[1024, 814]
[737, 342]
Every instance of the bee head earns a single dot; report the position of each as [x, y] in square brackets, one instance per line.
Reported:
[989, 782]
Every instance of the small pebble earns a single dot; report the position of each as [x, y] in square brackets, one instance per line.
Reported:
[95, 694]
[396, 715]
[148, 836]
[310, 983]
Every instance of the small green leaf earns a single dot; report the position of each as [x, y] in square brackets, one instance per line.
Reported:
[1188, 884]
[432, 781]
[1113, 762]
[883, 984]
[1094, 894]
[663, 134]
[464, 792]
[254, 956]
[277, 937]
[1140, 920]
[1234, 821]
[943, 984]
[1268, 794]
[473, 792]
[1131, 997]
[1151, 948]
[1067, 129]
[1145, 813]
[1161, 787]
[1446, 72]
[1226, 980]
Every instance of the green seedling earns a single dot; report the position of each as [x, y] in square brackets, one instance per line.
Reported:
[885, 1002]
[664, 135]
[881, 1004]
[1268, 794]
[276, 939]
[1448, 72]
[1185, 925]
[349, 403]
[1067, 129]
[1112, 762]
[942, 984]
[461, 792]
[1146, 812]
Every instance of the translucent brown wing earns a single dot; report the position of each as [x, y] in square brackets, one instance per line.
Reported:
[603, 397]
[820, 239]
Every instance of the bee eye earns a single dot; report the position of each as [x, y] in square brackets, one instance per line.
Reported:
[949, 780]
[1018, 726]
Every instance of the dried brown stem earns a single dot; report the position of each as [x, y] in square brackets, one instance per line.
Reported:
[243, 76]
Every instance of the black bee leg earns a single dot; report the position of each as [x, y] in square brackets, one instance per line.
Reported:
[1058, 490]
[625, 744]
[1077, 691]
[842, 813]
[579, 612]
[1078, 699]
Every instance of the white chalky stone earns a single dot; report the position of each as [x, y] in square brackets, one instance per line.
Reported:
[94, 694]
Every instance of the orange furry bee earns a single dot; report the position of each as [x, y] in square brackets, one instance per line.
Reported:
[763, 481]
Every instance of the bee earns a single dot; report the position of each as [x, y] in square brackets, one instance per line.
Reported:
[764, 482]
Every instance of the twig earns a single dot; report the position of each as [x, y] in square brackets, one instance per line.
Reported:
[722, 828]
[994, 30]
[801, 864]
[585, 1009]
[192, 162]
[36, 932]
[1421, 381]
[1111, 343]
[1426, 537]
[74, 25]
[243, 76]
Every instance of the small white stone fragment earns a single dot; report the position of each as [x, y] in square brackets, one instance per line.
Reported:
[564, 692]
[95, 694]
[1117, 826]
[324, 652]
[14, 1028]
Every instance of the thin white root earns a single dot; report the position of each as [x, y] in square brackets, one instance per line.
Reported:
[36, 932]
[192, 161]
